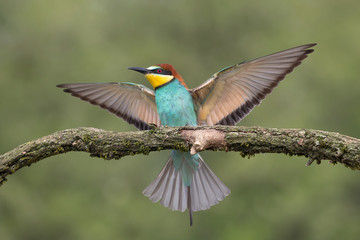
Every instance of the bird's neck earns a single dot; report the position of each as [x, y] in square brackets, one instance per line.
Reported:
[164, 83]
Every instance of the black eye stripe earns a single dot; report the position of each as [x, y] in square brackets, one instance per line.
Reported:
[161, 71]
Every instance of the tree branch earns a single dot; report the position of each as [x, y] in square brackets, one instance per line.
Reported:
[314, 144]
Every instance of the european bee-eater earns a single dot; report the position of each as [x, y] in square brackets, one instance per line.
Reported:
[186, 182]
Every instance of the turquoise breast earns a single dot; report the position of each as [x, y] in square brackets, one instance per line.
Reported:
[175, 105]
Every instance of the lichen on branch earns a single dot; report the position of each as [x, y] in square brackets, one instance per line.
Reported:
[314, 144]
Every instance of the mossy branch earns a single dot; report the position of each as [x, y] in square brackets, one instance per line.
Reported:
[314, 144]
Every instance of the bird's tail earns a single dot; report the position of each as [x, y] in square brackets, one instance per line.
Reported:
[204, 191]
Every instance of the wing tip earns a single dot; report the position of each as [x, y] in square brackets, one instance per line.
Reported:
[305, 47]
[311, 45]
[63, 85]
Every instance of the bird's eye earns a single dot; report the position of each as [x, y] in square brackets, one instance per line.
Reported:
[159, 70]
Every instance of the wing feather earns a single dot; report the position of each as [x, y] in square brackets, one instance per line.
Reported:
[229, 95]
[132, 102]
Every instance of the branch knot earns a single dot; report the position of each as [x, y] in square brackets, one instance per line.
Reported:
[203, 139]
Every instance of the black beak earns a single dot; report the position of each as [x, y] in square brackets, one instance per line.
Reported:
[139, 69]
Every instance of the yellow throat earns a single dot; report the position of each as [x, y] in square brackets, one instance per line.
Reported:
[157, 80]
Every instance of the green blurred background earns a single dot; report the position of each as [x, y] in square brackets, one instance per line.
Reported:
[73, 196]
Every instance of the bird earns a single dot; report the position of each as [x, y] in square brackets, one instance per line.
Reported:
[186, 182]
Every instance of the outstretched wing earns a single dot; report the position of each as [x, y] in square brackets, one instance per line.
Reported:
[229, 95]
[132, 102]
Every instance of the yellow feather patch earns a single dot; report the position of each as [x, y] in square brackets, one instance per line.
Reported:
[157, 80]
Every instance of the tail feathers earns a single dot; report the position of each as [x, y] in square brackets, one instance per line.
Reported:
[206, 189]
[168, 188]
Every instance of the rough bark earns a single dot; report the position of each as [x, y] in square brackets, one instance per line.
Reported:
[314, 144]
